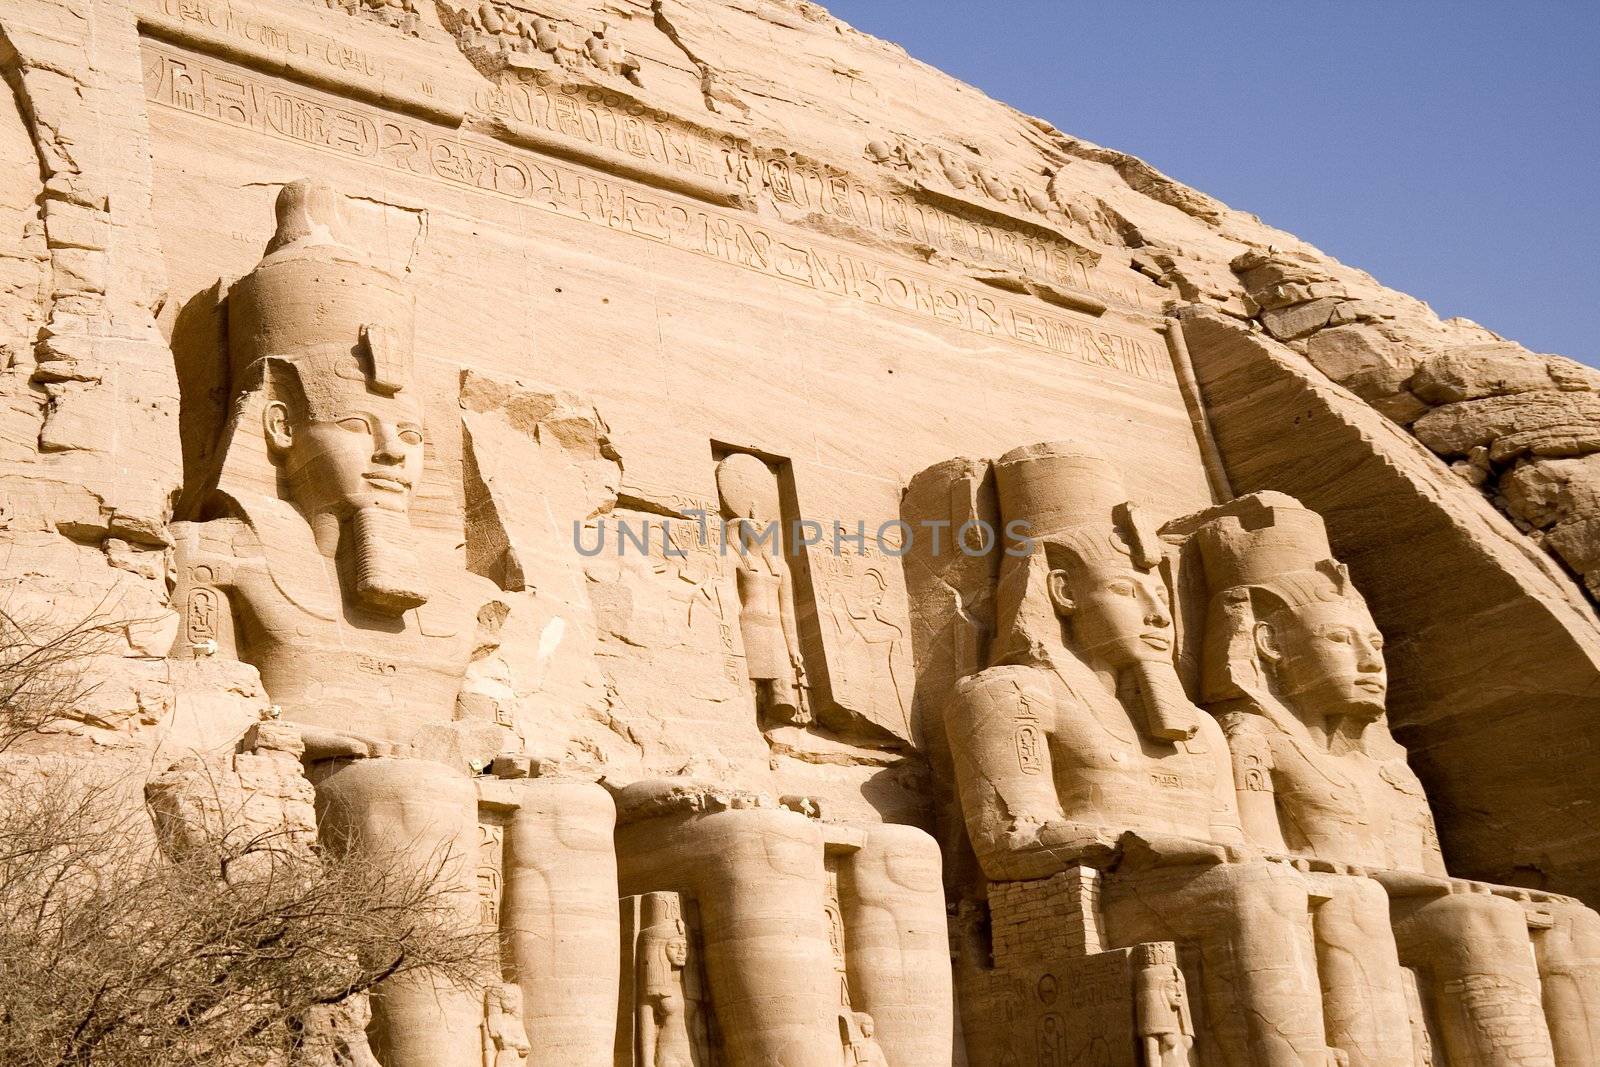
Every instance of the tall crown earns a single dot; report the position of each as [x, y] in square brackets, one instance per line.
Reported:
[314, 300]
[1071, 495]
[1260, 554]
[1261, 539]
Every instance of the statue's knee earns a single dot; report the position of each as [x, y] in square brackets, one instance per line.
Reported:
[762, 844]
[572, 816]
[906, 857]
[1352, 907]
[1262, 887]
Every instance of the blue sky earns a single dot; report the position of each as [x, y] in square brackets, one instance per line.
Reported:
[1450, 149]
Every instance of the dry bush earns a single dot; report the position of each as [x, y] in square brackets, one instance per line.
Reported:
[115, 952]
[45, 674]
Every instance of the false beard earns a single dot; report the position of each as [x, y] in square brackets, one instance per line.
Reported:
[1156, 691]
[386, 578]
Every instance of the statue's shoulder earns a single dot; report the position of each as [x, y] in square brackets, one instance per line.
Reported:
[1007, 685]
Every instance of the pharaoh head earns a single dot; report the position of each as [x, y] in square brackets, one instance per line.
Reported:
[1102, 578]
[1284, 616]
[320, 338]
[1101, 575]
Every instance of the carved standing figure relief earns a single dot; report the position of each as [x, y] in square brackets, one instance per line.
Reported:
[861, 1046]
[1161, 1001]
[1292, 665]
[668, 1025]
[664, 990]
[748, 490]
[868, 636]
[1078, 747]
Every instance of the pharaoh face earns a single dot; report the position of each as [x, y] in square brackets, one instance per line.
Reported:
[1328, 656]
[1118, 612]
[366, 452]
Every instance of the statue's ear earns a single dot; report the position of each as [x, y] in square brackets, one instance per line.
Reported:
[275, 424]
[1267, 643]
[1060, 593]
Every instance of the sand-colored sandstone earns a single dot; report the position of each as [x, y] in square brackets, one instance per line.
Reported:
[556, 441]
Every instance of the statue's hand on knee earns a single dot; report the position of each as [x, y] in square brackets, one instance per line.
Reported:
[1141, 849]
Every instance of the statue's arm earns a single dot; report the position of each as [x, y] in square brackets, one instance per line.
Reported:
[1253, 765]
[998, 726]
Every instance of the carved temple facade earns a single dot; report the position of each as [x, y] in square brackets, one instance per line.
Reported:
[849, 574]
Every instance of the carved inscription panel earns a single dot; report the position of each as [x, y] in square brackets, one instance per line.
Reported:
[229, 94]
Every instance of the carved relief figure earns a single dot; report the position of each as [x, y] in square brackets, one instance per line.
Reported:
[1293, 667]
[868, 635]
[1161, 1001]
[861, 1047]
[749, 494]
[666, 1029]
[305, 524]
[505, 1038]
[607, 55]
[1079, 748]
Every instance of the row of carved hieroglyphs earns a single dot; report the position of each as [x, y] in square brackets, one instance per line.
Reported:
[230, 94]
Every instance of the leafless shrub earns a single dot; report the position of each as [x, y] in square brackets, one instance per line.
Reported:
[115, 951]
[44, 667]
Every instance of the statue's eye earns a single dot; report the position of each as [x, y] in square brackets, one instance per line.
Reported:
[355, 424]
[1123, 588]
[1341, 636]
[1377, 641]
[411, 435]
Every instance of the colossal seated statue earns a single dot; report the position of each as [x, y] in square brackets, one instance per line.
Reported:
[1078, 748]
[1292, 666]
[302, 560]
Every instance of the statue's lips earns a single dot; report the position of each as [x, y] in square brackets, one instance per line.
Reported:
[1371, 685]
[1158, 641]
[387, 483]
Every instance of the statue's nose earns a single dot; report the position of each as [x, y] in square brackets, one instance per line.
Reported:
[386, 446]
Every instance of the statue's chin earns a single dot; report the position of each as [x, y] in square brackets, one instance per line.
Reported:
[1364, 704]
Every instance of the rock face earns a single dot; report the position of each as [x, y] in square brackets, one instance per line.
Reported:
[770, 512]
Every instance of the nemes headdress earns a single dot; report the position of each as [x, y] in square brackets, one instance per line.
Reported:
[1261, 554]
[318, 305]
